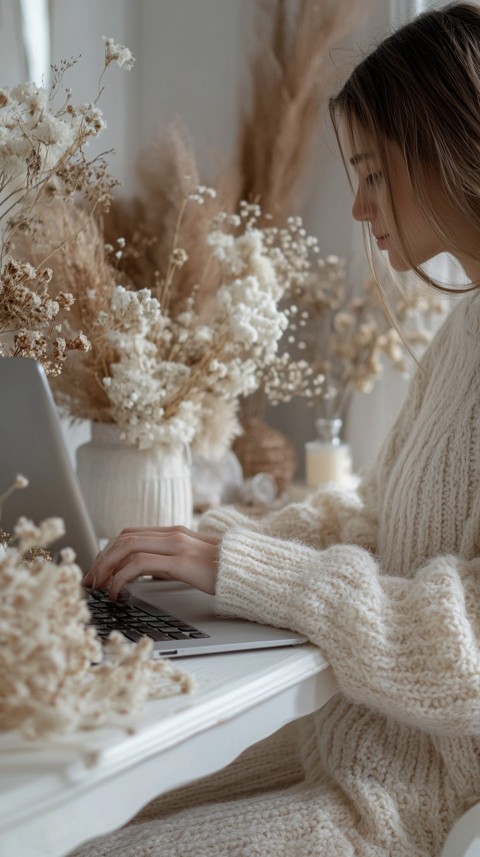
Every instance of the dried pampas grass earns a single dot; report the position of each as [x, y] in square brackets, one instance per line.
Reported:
[290, 77]
[158, 219]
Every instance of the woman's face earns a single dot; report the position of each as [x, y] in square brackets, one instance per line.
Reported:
[372, 205]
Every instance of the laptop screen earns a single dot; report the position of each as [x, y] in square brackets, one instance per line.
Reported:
[31, 443]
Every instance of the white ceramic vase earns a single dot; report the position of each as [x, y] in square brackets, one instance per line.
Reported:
[128, 487]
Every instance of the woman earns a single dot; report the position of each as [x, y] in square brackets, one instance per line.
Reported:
[386, 583]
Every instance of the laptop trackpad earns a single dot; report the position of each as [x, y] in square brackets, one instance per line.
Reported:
[176, 598]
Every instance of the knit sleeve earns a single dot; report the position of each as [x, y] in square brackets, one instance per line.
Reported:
[329, 516]
[408, 647]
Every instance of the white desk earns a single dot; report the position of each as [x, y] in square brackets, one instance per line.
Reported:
[51, 800]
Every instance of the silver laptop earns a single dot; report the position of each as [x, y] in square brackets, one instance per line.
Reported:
[180, 619]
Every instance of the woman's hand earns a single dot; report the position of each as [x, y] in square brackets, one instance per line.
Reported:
[171, 553]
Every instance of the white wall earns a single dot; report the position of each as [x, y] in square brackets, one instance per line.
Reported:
[192, 62]
[13, 67]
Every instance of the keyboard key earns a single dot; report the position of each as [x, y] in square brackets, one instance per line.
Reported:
[132, 635]
[162, 626]
[157, 636]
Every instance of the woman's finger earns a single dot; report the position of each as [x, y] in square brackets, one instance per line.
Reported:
[178, 552]
[136, 566]
[110, 553]
[118, 550]
[118, 553]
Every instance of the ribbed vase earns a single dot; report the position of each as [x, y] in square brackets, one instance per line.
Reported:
[128, 487]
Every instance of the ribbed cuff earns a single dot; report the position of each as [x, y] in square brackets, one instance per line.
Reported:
[292, 585]
[256, 578]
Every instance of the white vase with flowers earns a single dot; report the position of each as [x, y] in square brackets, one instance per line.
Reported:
[124, 486]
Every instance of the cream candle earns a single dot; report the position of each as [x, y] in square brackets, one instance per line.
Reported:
[327, 459]
[325, 462]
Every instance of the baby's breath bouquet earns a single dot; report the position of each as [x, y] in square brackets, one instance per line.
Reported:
[182, 377]
[160, 367]
[43, 137]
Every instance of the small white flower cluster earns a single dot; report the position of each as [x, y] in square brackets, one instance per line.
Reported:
[52, 677]
[34, 139]
[201, 193]
[178, 380]
[29, 132]
[287, 378]
[118, 53]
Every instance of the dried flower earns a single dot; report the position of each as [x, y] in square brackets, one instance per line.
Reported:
[118, 53]
[42, 162]
[52, 676]
[160, 368]
[348, 333]
[18, 483]
[171, 371]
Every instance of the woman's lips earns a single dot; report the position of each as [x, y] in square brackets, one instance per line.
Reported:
[381, 240]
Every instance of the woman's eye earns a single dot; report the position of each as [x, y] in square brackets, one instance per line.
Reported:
[373, 178]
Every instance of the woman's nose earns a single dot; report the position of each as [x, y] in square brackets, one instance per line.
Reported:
[363, 207]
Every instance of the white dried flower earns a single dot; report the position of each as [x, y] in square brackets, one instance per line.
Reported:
[118, 53]
[178, 257]
[170, 370]
[54, 680]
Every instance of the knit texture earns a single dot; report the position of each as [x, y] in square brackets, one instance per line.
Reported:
[387, 584]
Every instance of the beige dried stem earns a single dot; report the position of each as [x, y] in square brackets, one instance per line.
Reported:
[156, 222]
[290, 76]
[81, 268]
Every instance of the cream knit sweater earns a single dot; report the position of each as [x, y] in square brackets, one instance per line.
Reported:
[387, 584]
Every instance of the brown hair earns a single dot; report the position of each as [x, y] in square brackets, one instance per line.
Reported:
[420, 88]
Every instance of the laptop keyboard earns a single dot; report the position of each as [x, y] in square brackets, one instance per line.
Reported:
[135, 622]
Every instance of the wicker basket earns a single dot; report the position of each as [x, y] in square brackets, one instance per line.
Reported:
[263, 449]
